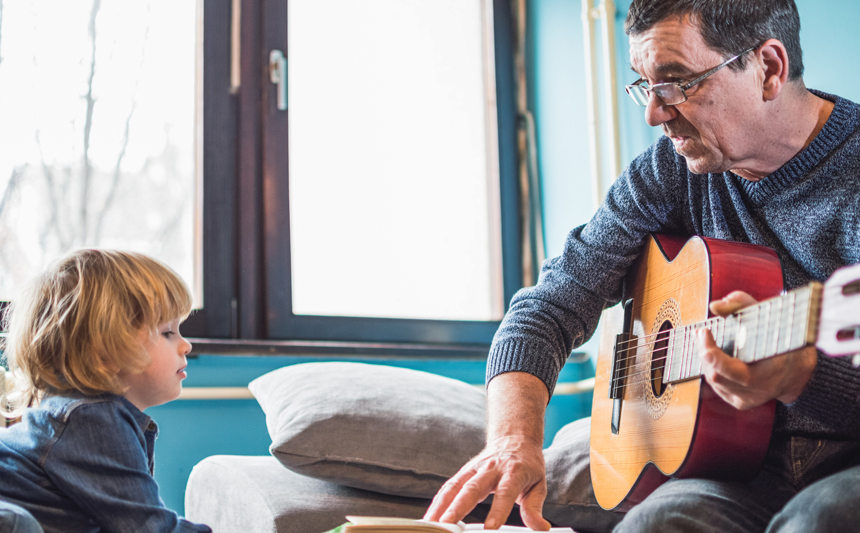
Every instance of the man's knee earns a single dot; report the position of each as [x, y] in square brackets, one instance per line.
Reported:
[658, 515]
[694, 505]
[830, 505]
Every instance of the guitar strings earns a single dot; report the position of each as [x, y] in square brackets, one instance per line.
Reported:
[616, 381]
[687, 362]
[706, 324]
[802, 297]
[651, 340]
[763, 309]
[796, 321]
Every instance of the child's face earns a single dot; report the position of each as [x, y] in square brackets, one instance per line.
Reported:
[161, 382]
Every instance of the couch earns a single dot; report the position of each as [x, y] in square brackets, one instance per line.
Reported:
[361, 439]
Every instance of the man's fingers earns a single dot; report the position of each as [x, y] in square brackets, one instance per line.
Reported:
[448, 492]
[504, 498]
[509, 469]
[531, 508]
[461, 494]
[719, 367]
[499, 512]
[733, 301]
[471, 494]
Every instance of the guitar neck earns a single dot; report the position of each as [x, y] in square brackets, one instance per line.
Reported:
[771, 328]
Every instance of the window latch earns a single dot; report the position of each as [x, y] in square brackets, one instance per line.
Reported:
[278, 75]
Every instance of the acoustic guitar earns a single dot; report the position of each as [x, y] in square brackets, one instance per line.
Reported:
[653, 416]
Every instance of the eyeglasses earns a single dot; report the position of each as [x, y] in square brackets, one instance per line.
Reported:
[671, 93]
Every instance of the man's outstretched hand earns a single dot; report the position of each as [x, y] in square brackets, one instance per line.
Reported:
[511, 466]
[512, 469]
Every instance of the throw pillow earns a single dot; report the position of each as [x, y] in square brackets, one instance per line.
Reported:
[570, 498]
[385, 429]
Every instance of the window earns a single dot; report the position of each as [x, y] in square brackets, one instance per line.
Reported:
[294, 220]
[97, 101]
[399, 78]
[393, 187]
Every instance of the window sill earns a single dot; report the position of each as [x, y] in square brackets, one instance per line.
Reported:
[209, 346]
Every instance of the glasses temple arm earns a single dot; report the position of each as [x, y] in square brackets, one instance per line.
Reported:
[718, 67]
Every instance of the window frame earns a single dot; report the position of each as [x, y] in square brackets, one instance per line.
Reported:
[217, 177]
[276, 300]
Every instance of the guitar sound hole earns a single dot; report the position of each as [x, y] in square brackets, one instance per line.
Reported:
[658, 358]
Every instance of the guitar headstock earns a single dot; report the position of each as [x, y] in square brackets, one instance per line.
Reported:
[839, 331]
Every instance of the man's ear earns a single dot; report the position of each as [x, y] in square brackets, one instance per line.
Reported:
[773, 57]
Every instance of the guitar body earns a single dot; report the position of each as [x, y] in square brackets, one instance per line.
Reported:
[681, 429]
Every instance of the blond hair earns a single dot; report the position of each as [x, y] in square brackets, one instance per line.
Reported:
[77, 325]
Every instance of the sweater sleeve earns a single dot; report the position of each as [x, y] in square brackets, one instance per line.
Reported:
[545, 322]
[831, 401]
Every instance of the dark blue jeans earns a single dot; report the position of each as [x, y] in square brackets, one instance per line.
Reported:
[806, 486]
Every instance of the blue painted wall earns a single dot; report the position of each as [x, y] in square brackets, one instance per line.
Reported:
[192, 430]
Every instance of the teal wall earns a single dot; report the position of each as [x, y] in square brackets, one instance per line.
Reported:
[192, 430]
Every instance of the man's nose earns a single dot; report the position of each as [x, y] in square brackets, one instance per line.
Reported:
[657, 113]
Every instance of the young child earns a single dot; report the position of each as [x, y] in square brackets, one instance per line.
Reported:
[91, 344]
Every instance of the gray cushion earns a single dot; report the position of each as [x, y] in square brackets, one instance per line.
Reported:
[570, 497]
[385, 429]
[256, 494]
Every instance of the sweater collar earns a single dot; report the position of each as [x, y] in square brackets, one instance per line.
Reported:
[840, 124]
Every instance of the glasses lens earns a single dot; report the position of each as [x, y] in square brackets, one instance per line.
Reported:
[670, 93]
[638, 94]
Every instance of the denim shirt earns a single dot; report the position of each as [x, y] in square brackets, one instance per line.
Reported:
[84, 464]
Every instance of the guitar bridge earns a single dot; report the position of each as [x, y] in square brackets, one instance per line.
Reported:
[620, 365]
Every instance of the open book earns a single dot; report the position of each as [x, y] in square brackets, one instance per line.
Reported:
[377, 524]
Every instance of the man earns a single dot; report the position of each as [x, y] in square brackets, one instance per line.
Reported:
[749, 155]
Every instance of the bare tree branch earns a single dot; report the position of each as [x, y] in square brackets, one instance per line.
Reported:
[7, 266]
[86, 174]
[117, 173]
[11, 185]
[117, 176]
[53, 199]
[1, 28]
[172, 226]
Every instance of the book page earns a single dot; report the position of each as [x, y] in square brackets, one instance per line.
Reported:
[514, 529]
[380, 523]
[383, 523]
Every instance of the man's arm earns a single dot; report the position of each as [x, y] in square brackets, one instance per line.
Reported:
[511, 465]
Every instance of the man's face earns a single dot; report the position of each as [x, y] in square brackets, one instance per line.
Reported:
[713, 128]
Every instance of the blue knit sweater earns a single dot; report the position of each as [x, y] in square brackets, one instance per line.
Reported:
[808, 211]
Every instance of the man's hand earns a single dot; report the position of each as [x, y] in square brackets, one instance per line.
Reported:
[749, 385]
[511, 466]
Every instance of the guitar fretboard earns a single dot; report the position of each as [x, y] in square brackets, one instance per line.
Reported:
[773, 327]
